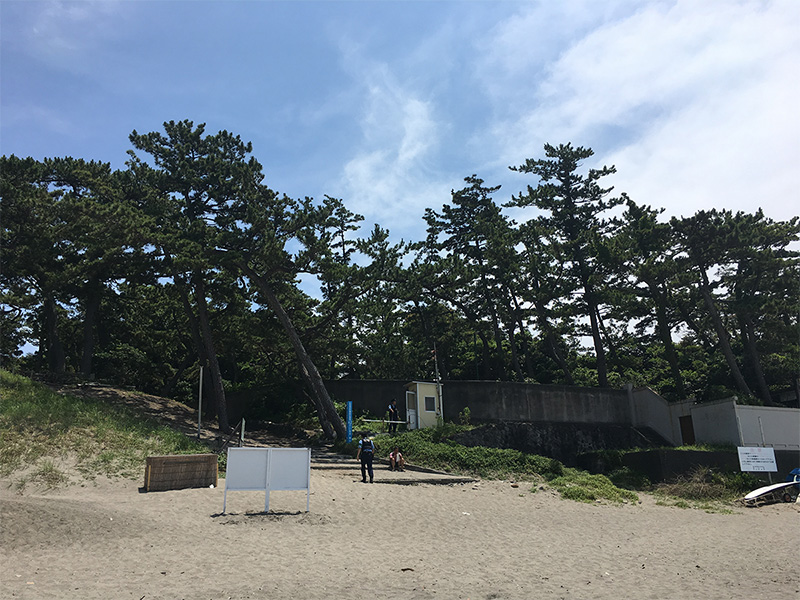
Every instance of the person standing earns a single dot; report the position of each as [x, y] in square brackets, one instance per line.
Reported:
[366, 452]
[394, 415]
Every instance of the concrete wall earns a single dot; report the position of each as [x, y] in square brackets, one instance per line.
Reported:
[786, 460]
[563, 441]
[495, 401]
[509, 401]
[715, 423]
[648, 409]
[781, 426]
[665, 464]
[725, 422]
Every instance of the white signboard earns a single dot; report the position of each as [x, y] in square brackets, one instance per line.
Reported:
[757, 459]
[268, 469]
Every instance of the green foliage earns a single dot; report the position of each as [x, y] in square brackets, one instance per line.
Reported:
[627, 478]
[362, 420]
[434, 448]
[113, 274]
[709, 448]
[302, 416]
[574, 208]
[40, 428]
[585, 487]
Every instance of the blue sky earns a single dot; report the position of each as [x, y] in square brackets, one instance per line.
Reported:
[389, 105]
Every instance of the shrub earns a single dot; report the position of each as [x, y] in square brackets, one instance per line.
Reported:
[704, 484]
[585, 487]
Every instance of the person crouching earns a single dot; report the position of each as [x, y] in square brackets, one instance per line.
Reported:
[396, 460]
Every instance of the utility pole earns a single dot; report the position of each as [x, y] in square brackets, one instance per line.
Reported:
[438, 383]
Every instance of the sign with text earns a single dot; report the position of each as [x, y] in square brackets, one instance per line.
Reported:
[757, 459]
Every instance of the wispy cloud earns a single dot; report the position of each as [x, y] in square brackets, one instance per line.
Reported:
[66, 34]
[388, 175]
[687, 99]
[389, 105]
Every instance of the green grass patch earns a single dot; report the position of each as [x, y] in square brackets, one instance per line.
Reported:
[584, 487]
[37, 425]
[627, 478]
[705, 488]
[434, 448]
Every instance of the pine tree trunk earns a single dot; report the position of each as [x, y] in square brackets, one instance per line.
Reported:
[169, 387]
[599, 350]
[211, 353]
[751, 351]
[512, 341]
[323, 402]
[592, 308]
[486, 358]
[200, 347]
[666, 339]
[722, 335]
[515, 320]
[89, 320]
[56, 359]
[551, 341]
[324, 422]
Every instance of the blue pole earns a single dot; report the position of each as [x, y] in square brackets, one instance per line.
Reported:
[349, 421]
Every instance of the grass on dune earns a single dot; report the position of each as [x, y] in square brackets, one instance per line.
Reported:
[42, 430]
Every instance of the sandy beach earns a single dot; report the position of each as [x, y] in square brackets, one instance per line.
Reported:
[482, 540]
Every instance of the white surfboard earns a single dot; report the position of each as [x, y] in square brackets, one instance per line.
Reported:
[768, 489]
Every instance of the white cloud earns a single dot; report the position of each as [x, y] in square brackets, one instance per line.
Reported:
[517, 53]
[67, 33]
[730, 132]
[388, 178]
[694, 102]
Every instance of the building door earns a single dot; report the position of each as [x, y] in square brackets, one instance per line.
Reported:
[687, 430]
[411, 410]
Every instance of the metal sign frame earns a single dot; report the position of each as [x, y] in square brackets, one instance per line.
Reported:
[268, 469]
